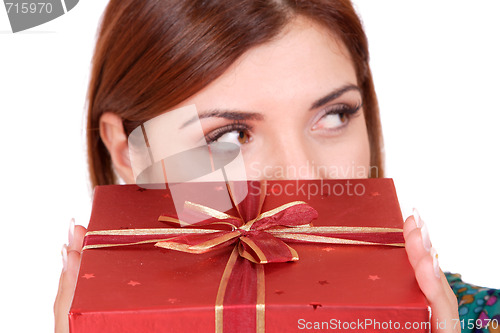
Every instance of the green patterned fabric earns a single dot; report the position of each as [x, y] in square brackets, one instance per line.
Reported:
[478, 307]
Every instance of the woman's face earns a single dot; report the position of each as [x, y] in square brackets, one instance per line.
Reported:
[292, 105]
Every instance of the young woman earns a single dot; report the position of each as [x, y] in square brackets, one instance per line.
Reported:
[287, 81]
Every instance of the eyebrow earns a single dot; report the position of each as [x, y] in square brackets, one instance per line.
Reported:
[244, 115]
[334, 95]
[226, 114]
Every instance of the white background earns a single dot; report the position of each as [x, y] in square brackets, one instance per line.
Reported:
[436, 69]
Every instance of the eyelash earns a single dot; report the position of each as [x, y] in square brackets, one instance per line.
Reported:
[348, 110]
[217, 133]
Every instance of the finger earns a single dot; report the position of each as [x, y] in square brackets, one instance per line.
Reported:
[418, 242]
[433, 284]
[409, 225]
[79, 234]
[415, 249]
[66, 289]
[75, 236]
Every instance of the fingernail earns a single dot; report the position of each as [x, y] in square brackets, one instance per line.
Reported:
[64, 253]
[426, 240]
[416, 216]
[71, 231]
[435, 263]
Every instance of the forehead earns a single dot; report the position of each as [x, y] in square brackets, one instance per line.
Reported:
[304, 62]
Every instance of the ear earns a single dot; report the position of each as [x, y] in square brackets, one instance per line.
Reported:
[115, 140]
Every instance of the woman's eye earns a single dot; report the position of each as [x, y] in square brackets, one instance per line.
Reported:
[236, 136]
[331, 121]
[337, 116]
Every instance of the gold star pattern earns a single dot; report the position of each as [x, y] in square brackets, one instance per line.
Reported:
[133, 283]
[328, 249]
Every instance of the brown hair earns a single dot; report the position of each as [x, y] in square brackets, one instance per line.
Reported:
[153, 54]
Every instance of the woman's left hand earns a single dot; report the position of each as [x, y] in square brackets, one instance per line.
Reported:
[71, 262]
[430, 278]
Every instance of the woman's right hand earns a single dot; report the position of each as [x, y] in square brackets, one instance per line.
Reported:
[71, 264]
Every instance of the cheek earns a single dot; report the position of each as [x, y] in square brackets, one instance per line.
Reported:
[349, 157]
[255, 169]
[361, 154]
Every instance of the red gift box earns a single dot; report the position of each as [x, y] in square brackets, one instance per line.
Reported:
[143, 288]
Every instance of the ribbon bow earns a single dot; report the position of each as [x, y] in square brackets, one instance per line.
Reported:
[256, 240]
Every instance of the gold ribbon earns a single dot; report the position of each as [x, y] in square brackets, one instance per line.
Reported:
[303, 233]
